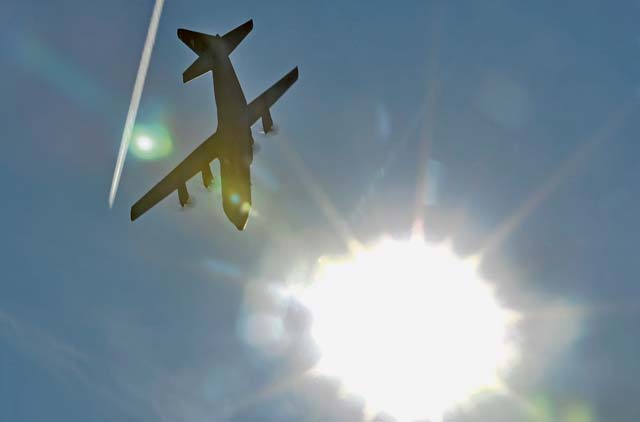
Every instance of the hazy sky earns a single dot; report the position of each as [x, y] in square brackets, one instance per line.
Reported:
[524, 115]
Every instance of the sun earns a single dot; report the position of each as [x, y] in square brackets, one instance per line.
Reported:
[151, 142]
[410, 327]
[144, 143]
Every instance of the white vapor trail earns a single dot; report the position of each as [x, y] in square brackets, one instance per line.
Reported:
[135, 98]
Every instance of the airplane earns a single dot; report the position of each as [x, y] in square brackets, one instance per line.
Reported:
[231, 144]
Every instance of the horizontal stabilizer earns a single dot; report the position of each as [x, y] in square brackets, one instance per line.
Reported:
[235, 36]
[199, 67]
[203, 44]
[197, 41]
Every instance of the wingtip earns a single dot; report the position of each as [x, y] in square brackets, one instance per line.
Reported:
[133, 214]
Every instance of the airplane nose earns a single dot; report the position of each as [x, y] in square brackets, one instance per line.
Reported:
[239, 218]
[237, 211]
[242, 215]
[241, 223]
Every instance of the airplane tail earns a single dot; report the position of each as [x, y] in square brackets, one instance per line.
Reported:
[210, 47]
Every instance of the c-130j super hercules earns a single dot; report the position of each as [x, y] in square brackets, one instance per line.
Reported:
[232, 143]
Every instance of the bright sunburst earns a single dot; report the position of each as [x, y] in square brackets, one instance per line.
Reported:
[151, 142]
[410, 327]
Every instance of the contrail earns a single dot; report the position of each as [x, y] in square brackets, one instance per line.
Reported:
[135, 98]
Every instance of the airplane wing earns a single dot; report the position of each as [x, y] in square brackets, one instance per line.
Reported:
[260, 106]
[197, 161]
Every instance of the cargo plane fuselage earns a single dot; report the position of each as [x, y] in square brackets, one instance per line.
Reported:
[232, 143]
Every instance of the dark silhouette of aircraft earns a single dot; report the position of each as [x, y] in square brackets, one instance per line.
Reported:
[232, 143]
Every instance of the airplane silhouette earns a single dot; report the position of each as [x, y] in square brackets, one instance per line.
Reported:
[232, 144]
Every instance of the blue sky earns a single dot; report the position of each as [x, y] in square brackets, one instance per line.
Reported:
[526, 110]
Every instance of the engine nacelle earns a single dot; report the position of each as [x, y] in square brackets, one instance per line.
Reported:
[183, 195]
[267, 122]
[207, 176]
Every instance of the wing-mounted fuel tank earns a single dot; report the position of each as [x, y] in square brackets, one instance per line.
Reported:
[207, 176]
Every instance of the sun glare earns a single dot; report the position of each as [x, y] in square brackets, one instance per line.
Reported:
[144, 143]
[410, 327]
[151, 142]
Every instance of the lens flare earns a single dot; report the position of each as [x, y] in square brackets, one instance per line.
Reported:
[410, 327]
[151, 142]
[579, 412]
